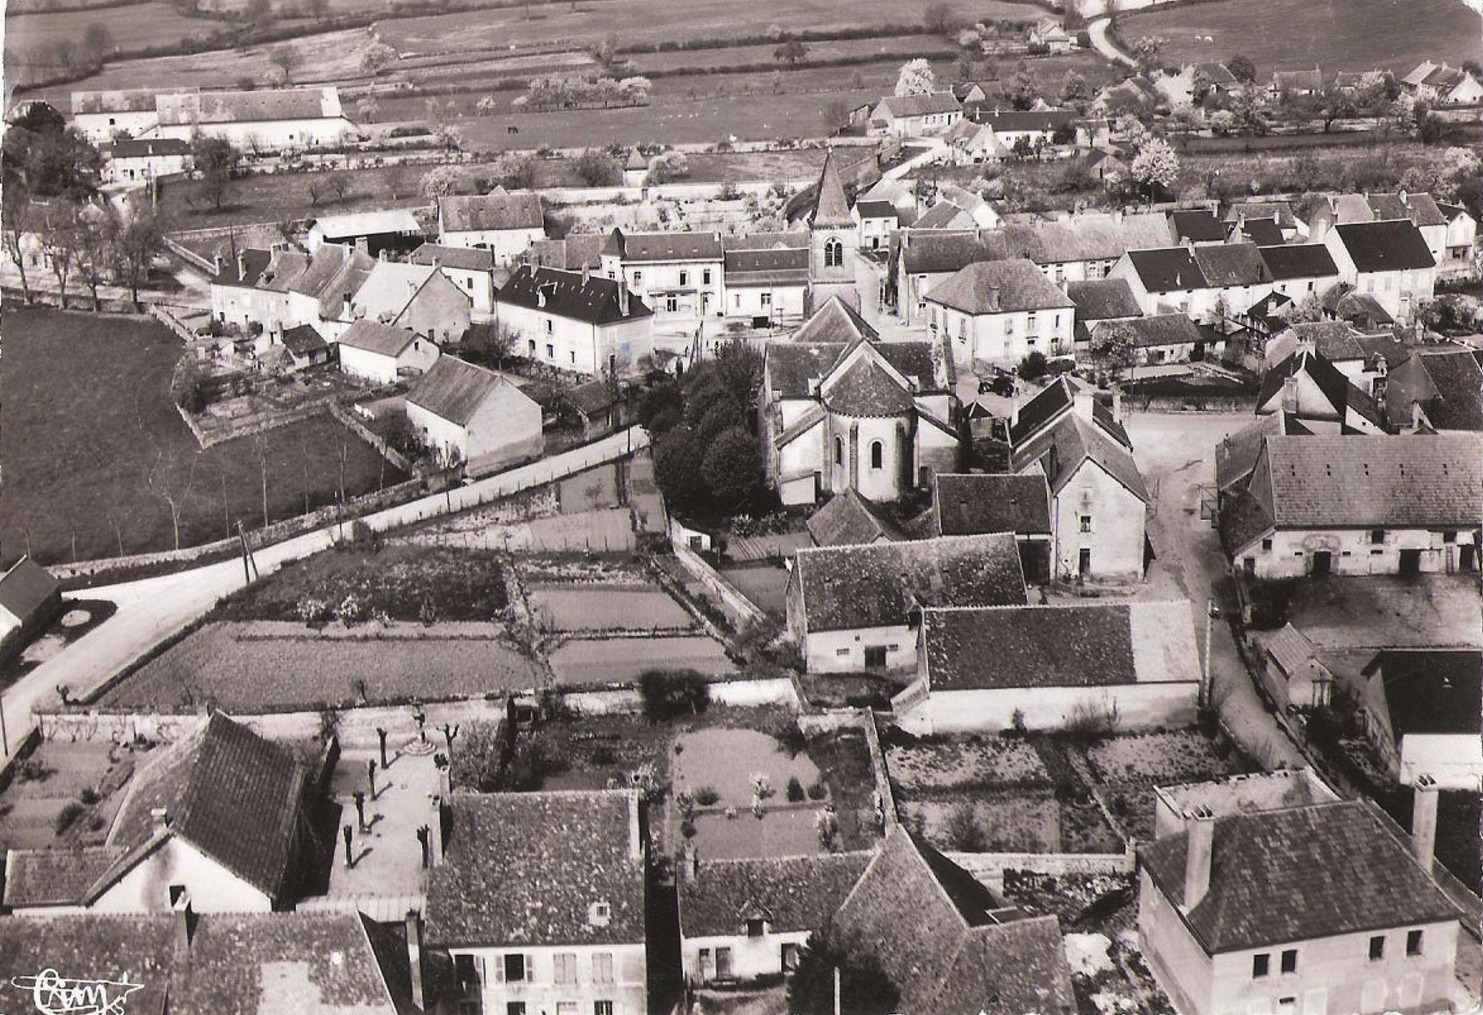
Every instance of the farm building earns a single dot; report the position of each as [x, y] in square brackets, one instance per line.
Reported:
[382, 354]
[970, 504]
[1292, 672]
[131, 161]
[576, 320]
[915, 115]
[102, 116]
[30, 599]
[848, 519]
[478, 416]
[502, 223]
[395, 230]
[268, 119]
[1423, 712]
[1444, 384]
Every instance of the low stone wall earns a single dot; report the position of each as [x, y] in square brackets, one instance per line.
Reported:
[878, 766]
[741, 609]
[735, 693]
[355, 426]
[991, 866]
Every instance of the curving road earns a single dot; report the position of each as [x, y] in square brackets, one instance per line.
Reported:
[1103, 44]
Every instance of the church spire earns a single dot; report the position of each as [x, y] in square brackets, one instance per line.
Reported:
[832, 209]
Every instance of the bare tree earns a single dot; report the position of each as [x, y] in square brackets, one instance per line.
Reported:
[17, 232]
[60, 234]
[95, 232]
[260, 444]
[286, 59]
[159, 481]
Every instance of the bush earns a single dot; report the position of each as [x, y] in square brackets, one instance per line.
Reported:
[706, 796]
[964, 833]
[88, 795]
[68, 815]
[476, 763]
[1088, 722]
[1033, 366]
[602, 754]
[817, 790]
[795, 790]
[670, 693]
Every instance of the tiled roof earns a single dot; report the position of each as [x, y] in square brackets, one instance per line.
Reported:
[1385, 246]
[304, 340]
[527, 868]
[1335, 341]
[1457, 380]
[835, 322]
[1279, 210]
[376, 337]
[1431, 691]
[461, 258]
[1299, 873]
[56, 877]
[125, 100]
[1103, 299]
[1261, 231]
[1089, 236]
[790, 366]
[847, 587]
[1236, 455]
[571, 254]
[1362, 308]
[992, 287]
[635, 248]
[875, 209]
[831, 208]
[1153, 332]
[189, 108]
[796, 893]
[1421, 208]
[1069, 443]
[592, 301]
[1020, 121]
[1299, 260]
[969, 504]
[1196, 224]
[781, 266]
[934, 251]
[130, 148]
[1341, 396]
[455, 390]
[1307, 80]
[323, 276]
[233, 795]
[367, 223]
[460, 213]
[921, 105]
[866, 389]
[25, 588]
[851, 520]
[1041, 410]
[1290, 649]
[593, 396]
[792, 239]
[1167, 269]
[1059, 646]
[1231, 264]
[253, 263]
[944, 215]
[389, 288]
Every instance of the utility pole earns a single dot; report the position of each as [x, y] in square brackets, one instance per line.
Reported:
[1210, 613]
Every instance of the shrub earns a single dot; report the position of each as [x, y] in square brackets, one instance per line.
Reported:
[602, 754]
[669, 693]
[88, 795]
[706, 796]
[68, 815]
[963, 831]
[1033, 366]
[476, 763]
[1088, 722]
[795, 790]
[817, 790]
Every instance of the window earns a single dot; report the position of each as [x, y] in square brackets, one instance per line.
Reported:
[566, 968]
[517, 970]
[599, 913]
[1261, 965]
[1377, 536]
[574, 355]
[1086, 523]
[602, 1008]
[549, 328]
[1030, 323]
[638, 279]
[1290, 960]
[1377, 947]
[1413, 942]
[466, 970]
[790, 956]
[671, 303]
[602, 967]
[765, 299]
[705, 277]
[756, 927]
[1266, 544]
[550, 351]
[841, 652]
[532, 344]
[838, 451]
[877, 452]
[1449, 537]
[833, 254]
[514, 1008]
[684, 278]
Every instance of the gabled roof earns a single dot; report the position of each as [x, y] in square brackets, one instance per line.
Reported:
[56, 877]
[996, 287]
[1103, 299]
[303, 340]
[1153, 332]
[1167, 269]
[1447, 382]
[245, 270]
[1279, 210]
[1197, 225]
[638, 248]
[351, 225]
[123, 100]
[594, 396]
[1040, 411]
[1299, 873]
[1431, 691]
[794, 893]
[1071, 441]
[527, 868]
[835, 322]
[920, 105]
[875, 210]
[577, 251]
[228, 792]
[778, 266]
[1304, 80]
[1299, 260]
[460, 258]
[593, 300]
[832, 207]
[461, 213]
[1236, 455]
[867, 388]
[1340, 397]
[851, 520]
[1231, 264]
[1421, 208]
[258, 105]
[373, 336]
[1335, 341]
[454, 390]
[996, 648]
[944, 215]
[389, 288]
[132, 148]
[849, 587]
[25, 588]
[925, 252]
[1087, 236]
[1392, 245]
[791, 367]
[1011, 121]
[966, 504]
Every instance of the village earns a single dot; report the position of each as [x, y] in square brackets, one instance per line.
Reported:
[983, 557]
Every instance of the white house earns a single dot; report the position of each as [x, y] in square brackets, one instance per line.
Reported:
[677, 274]
[1389, 260]
[878, 220]
[505, 224]
[471, 269]
[1460, 242]
[982, 669]
[103, 116]
[766, 283]
[383, 354]
[1423, 710]
[576, 320]
[927, 257]
[1419, 208]
[265, 119]
[915, 115]
[998, 312]
[1306, 387]
[1441, 84]
[418, 297]
[856, 608]
[30, 598]
[131, 161]
[478, 416]
[575, 858]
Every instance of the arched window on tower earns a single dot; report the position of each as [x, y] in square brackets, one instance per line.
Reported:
[877, 451]
[833, 254]
[838, 451]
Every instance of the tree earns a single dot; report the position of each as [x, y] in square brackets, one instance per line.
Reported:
[835, 114]
[865, 989]
[286, 59]
[668, 167]
[216, 162]
[376, 57]
[1073, 87]
[43, 157]
[367, 107]
[18, 225]
[737, 369]
[915, 78]
[1155, 167]
[597, 168]
[1021, 88]
[938, 19]
[791, 52]
[97, 41]
[515, 172]
[141, 236]
[440, 181]
[186, 388]
[1147, 49]
[1242, 68]
[492, 343]
[95, 234]
[61, 233]
[668, 694]
[677, 462]
[732, 467]
[1113, 347]
[607, 49]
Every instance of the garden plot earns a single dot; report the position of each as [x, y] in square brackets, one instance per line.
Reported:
[621, 660]
[1017, 821]
[725, 761]
[965, 761]
[80, 779]
[744, 835]
[765, 585]
[1130, 766]
[611, 608]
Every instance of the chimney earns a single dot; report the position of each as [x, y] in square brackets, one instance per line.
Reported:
[242, 265]
[414, 956]
[1199, 826]
[1289, 394]
[1424, 821]
[690, 862]
[346, 312]
[159, 818]
[435, 833]
[1083, 401]
[622, 294]
[586, 274]
[185, 924]
[216, 264]
[540, 296]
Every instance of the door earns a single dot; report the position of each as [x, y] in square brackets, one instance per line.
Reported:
[707, 966]
[1323, 563]
[723, 964]
[1084, 562]
[875, 657]
[1465, 558]
[1410, 563]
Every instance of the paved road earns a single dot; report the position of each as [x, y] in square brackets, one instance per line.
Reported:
[152, 610]
[1102, 43]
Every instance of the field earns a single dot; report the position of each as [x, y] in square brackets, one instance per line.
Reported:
[1353, 35]
[621, 660]
[614, 608]
[147, 24]
[93, 447]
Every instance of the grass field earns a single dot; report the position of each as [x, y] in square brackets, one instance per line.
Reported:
[87, 419]
[147, 24]
[1334, 34]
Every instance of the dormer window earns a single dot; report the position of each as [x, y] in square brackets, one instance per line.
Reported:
[756, 927]
[599, 913]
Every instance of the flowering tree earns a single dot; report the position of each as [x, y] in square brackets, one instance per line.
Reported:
[916, 78]
[1155, 167]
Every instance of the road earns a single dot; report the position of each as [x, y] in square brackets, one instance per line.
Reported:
[152, 610]
[1102, 42]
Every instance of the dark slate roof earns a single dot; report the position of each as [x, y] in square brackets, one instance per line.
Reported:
[969, 504]
[130, 148]
[376, 337]
[1153, 332]
[1073, 440]
[1299, 260]
[796, 893]
[461, 258]
[934, 251]
[635, 248]
[1299, 873]
[1029, 646]
[790, 366]
[1458, 381]
[1103, 299]
[1236, 455]
[303, 340]
[1432, 691]
[593, 396]
[851, 520]
[526, 868]
[459, 213]
[847, 587]
[1261, 231]
[1231, 264]
[1336, 388]
[1167, 269]
[835, 322]
[781, 266]
[26, 587]
[1197, 225]
[866, 389]
[875, 209]
[992, 287]
[1385, 246]
[948, 944]
[454, 390]
[227, 791]
[921, 105]
[56, 877]
[1014, 121]
[1040, 411]
[591, 301]
[254, 260]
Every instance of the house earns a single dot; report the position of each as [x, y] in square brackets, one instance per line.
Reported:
[1299, 270]
[1248, 793]
[241, 290]
[264, 119]
[474, 416]
[1279, 211]
[271, 291]
[1321, 505]
[998, 312]
[539, 899]
[1049, 36]
[1460, 242]
[945, 215]
[221, 814]
[1444, 383]
[1156, 339]
[678, 274]
[417, 297]
[1312, 390]
[502, 223]
[1362, 359]
[30, 599]
[1295, 82]
[1423, 711]
[1133, 95]
[1098, 498]
[915, 115]
[383, 354]
[992, 135]
[1099, 301]
[598, 406]
[947, 943]
[1263, 232]
[635, 169]
[1389, 260]
[1085, 245]
[971, 504]
[192, 963]
[968, 91]
[1195, 226]
[103, 116]
[767, 286]
[981, 214]
[878, 220]
[926, 257]
[745, 920]
[1419, 208]
[984, 668]
[1166, 279]
[1319, 905]
[470, 269]
[848, 519]
[576, 320]
[1441, 84]
[1291, 671]
[394, 229]
[1109, 165]
[841, 410]
[855, 608]
[305, 347]
[132, 161]
[1342, 302]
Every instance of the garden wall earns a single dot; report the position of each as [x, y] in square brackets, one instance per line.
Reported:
[991, 866]
[740, 609]
[734, 693]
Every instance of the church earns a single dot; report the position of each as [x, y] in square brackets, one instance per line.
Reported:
[833, 240]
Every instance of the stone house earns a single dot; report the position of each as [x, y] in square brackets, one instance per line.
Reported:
[477, 415]
[576, 320]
